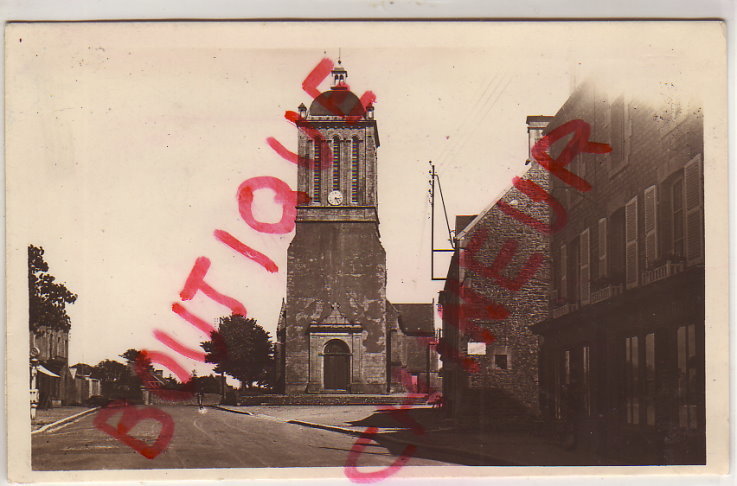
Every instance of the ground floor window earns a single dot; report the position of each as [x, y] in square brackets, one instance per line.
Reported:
[631, 379]
[586, 379]
[640, 379]
[687, 377]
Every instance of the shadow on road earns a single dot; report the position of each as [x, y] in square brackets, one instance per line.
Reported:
[427, 417]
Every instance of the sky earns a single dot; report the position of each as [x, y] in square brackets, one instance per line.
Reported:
[127, 142]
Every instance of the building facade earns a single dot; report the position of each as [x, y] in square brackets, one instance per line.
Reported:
[622, 357]
[496, 288]
[50, 376]
[413, 348]
[333, 334]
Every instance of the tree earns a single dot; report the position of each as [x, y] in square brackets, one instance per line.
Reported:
[47, 299]
[109, 371]
[242, 349]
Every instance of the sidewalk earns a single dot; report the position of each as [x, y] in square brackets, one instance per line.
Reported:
[51, 415]
[440, 439]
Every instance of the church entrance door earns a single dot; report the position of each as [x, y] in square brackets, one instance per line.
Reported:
[337, 365]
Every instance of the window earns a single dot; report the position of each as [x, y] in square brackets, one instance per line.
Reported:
[650, 383]
[631, 380]
[317, 171]
[563, 272]
[630, 230]
[354, 171]
[621, 132]
[687, 377]
[584, 267]
[694, 224]
[501, 359]
[336, 164]
[557, 406]
[586, 357]
[602, 248]
[574, 272]
[678, 218]
[651, 226]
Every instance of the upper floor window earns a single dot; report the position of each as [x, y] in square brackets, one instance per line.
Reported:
[631, 251]
[354, 170]
[678, 217]
[563, 285]
[584, 267]
[602, 248]
[651, 225]
[336, 164]
[316, 170]
[692, 186]
[621, 133]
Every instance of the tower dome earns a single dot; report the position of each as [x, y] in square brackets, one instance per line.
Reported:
[337, 102]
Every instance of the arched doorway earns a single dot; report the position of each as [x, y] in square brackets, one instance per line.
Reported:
[336, 365]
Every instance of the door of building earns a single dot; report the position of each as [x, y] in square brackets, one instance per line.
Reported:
[337, 365]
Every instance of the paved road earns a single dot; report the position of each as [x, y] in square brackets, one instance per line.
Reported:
[213, 439]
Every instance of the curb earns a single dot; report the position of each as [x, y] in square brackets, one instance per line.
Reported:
[333, 428]
[64, 421]
[419, 445]
[243, 412]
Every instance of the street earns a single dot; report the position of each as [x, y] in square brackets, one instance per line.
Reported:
[209, 438]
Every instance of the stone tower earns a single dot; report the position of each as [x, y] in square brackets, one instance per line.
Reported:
[332, 329]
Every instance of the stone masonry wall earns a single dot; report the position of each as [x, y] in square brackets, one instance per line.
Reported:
[343, 264]
[526, 306]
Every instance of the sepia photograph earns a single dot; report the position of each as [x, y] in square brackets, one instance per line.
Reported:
[366, 250]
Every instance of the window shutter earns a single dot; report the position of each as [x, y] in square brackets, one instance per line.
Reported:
[563, 272]
[694, 225]
[584, 276]
[602, 248]
[651, 225]
[630, 238]
[627, 132]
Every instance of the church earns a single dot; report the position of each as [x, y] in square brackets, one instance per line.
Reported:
[337, 333]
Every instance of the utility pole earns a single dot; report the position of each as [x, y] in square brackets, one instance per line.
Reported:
[433, 178]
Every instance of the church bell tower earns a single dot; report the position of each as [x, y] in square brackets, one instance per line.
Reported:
[332, 329]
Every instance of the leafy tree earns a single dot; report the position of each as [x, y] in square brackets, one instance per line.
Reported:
[209, 384]
[117, 380]
[47, 299]
[242, 349]
[110, 371]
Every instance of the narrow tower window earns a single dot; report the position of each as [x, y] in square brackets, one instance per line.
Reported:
[354, 171]
[336, 164]
[317, 171]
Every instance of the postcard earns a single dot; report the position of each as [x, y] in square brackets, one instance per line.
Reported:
[366, 250]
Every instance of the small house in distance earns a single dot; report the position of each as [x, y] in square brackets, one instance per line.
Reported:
[413, 348]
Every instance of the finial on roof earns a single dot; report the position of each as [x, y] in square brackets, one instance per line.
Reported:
[339, 76]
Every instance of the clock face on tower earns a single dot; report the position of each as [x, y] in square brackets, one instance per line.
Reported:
[335, 198]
